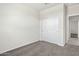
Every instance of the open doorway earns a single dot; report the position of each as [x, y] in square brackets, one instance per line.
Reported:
[73, 30]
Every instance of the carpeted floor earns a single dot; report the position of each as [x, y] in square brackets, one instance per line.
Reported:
[73, 41]
[42, 48]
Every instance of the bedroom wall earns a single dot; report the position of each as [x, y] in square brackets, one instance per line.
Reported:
[73, 10]
[19, 26]
[53, 24]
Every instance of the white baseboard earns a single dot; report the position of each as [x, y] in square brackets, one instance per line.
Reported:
[18, 46]
[59, 44]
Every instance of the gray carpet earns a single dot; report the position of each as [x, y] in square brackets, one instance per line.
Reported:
[44, 49]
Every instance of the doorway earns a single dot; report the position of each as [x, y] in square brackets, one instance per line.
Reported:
[73, 30]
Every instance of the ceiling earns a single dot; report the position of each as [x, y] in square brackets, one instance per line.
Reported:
[42, 6]
[37, 6]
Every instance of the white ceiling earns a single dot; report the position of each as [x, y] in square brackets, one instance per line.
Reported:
[41, 6]
[37, 6]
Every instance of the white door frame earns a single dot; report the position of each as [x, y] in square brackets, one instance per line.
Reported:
[67, 24]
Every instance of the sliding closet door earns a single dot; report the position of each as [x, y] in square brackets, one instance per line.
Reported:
[52, 24]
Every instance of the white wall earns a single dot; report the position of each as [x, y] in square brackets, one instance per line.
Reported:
[53, 25]
[19, 26]
[73, 10]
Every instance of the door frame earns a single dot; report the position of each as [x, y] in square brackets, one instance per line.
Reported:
[67, 24]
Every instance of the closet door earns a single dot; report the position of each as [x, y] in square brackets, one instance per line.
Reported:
[52, 25]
